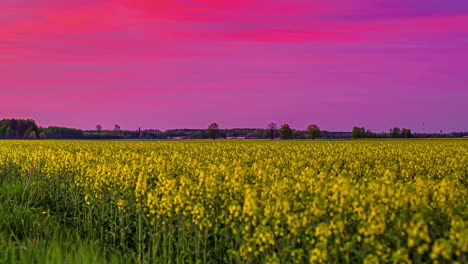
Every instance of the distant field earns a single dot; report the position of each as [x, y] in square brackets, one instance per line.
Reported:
[234, 201]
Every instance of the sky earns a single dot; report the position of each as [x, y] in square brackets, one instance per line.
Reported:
[187, 63]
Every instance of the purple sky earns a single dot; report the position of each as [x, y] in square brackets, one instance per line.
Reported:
[184, 63]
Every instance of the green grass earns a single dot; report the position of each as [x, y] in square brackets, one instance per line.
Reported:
[30, 233]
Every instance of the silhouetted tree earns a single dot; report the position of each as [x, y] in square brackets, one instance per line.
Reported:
[313, 131]
[356, 132]
[140, 134]
[213, 131]
[272, 129]
[406, 133]
[98, 128]
[395, 132]
[117, 129]
[286, 132]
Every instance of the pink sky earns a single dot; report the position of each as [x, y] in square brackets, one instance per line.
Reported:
[185, 63]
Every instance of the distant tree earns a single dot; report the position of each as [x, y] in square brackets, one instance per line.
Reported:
[42, 135]
[140, 134]
[33, 135]
[403, 132]
[356, 132]
[286, 132]
[406, 133]
[395, 132]
[213, 131]
[271, 130]
[99, 128]
[313, 131]
[369, 134]
[117, 129]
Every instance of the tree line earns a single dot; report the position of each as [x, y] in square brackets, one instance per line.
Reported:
[272, 131]
[28, 129]
[213, 131]
[20, 129]
[361, 132]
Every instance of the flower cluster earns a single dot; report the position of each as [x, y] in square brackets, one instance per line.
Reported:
[262, 201]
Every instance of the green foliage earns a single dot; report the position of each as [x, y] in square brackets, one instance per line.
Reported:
[286, 132]
[17, 128]
[361, 132]
[32, 232]
[400, 133]
[213, 131]
[63, 133]
[313, 132]
[356, 132]
[395, 132]
[272, 130]
[406, 133]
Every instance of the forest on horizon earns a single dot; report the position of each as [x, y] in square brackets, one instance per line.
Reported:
[28, 129]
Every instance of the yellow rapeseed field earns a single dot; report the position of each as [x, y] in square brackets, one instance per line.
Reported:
[242, 201]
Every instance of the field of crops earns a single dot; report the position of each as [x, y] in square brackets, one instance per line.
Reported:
[249, 201]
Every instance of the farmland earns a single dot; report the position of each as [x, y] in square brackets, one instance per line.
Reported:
[234, 201]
